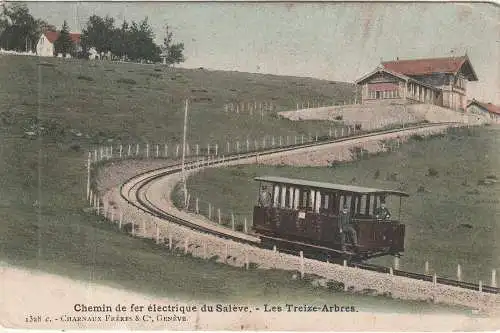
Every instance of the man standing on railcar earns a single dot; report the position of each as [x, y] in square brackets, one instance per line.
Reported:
[382, 213]
[346, 227]
[265, 197]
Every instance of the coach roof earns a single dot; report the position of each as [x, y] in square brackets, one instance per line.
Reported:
[329, 186]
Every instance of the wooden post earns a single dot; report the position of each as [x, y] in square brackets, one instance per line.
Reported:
[208, 149]
[157, 151]
[98, 204]
[245, 226]
[166, 150]
[88, 175]
[281, 143]
[129, 150]
[91, 198]
[209, 211]
[426, 268]
[248, 145]
[344, 263]
[391, 271]
[302, 138]
[120, 221]
[264, 142]
[121, 149]
[227, 147]
[342, 132]
[232, 221]
[197, 207]
[459, 272]
[434, 279]
[197, 149]
[275, 249]
[218, 214]
[494, 278]
[170, 241]
[237, 147]
[177, 151]
[216, 149]
[301, 254]
[111, 152]
[137, 150]
[157, 235]
[96, 157]
[480, 286]
[396, 262]
[272, 142]
[147, 150]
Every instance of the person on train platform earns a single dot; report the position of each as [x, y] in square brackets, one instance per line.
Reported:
[382, 213]
[265, 197]
[346, 227]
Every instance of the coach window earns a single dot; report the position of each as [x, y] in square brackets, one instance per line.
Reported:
[296, 198]
[317, 204]
[276, 195]
[283, 196]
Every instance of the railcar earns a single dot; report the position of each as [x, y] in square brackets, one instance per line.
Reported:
[305, 215]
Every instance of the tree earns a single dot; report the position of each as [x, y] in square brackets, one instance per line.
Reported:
[19, 30]
[98, 33]
[173, 53]
[64, 44]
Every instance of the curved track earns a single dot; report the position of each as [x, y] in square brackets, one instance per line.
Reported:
[134, 192]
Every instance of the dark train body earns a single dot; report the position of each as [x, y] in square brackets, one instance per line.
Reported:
[304, 215]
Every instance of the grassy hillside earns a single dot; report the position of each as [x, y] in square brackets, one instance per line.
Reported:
[451, 216]
[42, 180]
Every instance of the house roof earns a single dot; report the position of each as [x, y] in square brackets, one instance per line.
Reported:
[490, 107]
[403, 77]
[329, 186]
[415, 67]
[52, 36]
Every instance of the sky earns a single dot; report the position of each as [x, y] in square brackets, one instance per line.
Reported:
[337, 41]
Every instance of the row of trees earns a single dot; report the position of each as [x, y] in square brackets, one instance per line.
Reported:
[134, 41]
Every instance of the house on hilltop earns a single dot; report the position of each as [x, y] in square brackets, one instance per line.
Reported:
[478, 107]
[45, 45]
[439, 81]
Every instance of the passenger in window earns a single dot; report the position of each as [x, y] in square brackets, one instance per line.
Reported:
[265, 197]
[346, 227]
[382, 213]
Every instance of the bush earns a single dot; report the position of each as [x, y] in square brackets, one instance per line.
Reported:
[431, 172]
[335, 285]
[85, 78]
[128, 81]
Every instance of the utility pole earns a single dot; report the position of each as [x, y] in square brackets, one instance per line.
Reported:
[184, 154]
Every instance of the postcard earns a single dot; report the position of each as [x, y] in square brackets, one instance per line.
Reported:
[250, 166]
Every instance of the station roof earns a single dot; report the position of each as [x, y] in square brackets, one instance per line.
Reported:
[329, 186]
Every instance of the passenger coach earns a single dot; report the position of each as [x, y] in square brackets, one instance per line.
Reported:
[297, 214]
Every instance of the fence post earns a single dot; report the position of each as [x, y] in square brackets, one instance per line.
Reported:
[245, 226]
[197, 207]
[120, 221]
[197, 149]
[129, 150]
[232, 221]
[272, 142]
[147, 150]
[459, 272]
[227, 147]
[88, 175]
[281, 142]
[237, 147]
[121, 149]
[177, 151]
[157, 151]
[111, 151]
[248, 145]
[302, 138]
[480, 286]
[342, 131]
[137, 150]
[494, 278]
[166, 150]
[98, 204]
[133, 229]
[434, 279]
[216, 149]
[396, 262]
[301, 253]
[209, 211]
[218, 214]
[426, 268]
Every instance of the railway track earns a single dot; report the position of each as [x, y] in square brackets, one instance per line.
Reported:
[134, 192]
